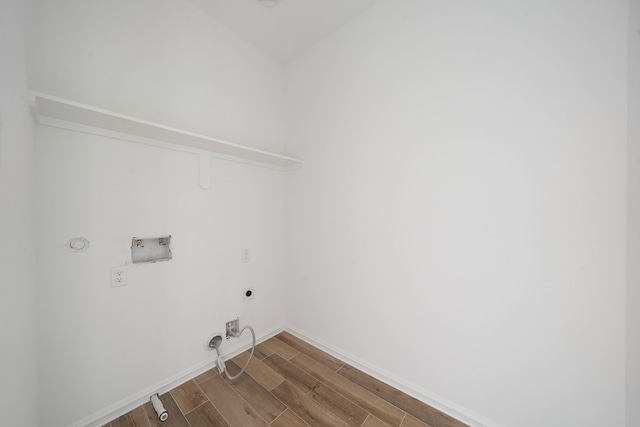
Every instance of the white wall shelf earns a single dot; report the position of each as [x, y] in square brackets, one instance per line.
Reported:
[62, 113]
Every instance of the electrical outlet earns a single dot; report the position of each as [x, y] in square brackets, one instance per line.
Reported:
[248, 293]
[119, 276]
[246, 255]
[233, 328]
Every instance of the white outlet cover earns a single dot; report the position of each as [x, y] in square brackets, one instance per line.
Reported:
[119, 276]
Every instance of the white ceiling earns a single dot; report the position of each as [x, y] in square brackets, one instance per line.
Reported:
[287, 30]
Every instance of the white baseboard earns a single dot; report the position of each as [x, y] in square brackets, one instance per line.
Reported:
[450, 408]
[120, 408]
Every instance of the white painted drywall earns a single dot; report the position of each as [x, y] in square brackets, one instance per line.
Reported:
[101, 345]
[459, 224]
[285, 31]
[18, 333]
[633, 222]
[163, 61]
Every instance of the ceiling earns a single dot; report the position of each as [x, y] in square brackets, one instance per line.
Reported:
[290, 28]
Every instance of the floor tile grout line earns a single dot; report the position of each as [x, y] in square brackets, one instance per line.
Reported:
[406, 413]
[337, 371]
[365, 420]
[404, 418]
[308, 355]
[276, 418]
[177, 406]
[273, 388]
[269, 391]
[389, 402]
[343, 364]
[232, 387]
[293, 412]
[186, 420]
[312, 393]
[247, 402]
[256, 380]
[174, 399]
[275, 352]
[213, 404]
[347, 390]
[267, 355]
[146, 416]
[356, 385]
[346, 397]
[334, 390]
[184, 414]
[284, 357]
[320, 382]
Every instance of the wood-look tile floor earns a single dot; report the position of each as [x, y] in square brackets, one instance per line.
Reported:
[288, 383]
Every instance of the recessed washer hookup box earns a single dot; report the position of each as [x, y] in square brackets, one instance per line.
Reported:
[151, 249]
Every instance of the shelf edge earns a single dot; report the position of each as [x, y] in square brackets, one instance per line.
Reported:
[57, 112]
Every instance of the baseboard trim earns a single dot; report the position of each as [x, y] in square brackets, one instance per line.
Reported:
[120, 408]
[450, 408]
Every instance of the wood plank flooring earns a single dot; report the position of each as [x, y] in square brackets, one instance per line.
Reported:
[289, 383]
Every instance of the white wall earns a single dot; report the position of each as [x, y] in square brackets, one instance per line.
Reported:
[100, 345]
[164, 61]
[633, 222]
[18, 333]
[459, 224]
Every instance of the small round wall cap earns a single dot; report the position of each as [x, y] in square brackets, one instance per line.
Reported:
[78, 244]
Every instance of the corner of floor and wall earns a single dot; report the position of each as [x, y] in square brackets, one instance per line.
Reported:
[465, 225]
